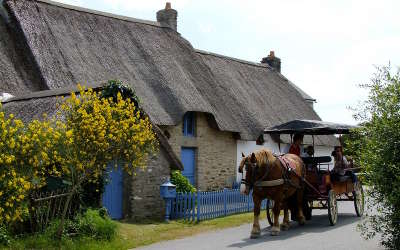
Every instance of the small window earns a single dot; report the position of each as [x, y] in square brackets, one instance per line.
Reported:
[189, 124]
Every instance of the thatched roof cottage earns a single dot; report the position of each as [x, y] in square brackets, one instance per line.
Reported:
[208, 107]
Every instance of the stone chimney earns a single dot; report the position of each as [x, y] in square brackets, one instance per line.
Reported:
[168, 17]
[273, 61]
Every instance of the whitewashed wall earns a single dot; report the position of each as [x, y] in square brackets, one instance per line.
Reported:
[250, 146]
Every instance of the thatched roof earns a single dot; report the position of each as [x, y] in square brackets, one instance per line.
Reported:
[17, 73]
[253, 95]
[73, 45]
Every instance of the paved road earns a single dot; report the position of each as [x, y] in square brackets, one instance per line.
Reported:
[316, 234]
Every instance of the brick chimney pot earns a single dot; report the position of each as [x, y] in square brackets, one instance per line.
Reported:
[273, 61]
[167, 17]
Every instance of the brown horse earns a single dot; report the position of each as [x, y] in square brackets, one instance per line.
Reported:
[270, 179]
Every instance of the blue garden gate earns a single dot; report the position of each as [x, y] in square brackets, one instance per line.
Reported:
[112, 196]
[188, 161]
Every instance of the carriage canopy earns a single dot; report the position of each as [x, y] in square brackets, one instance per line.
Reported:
[310, 127]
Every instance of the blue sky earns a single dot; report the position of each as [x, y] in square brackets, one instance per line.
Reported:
[327, 48]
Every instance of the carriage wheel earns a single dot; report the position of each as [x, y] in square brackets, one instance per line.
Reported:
[358, 195]
[332, 207]
[270, 213]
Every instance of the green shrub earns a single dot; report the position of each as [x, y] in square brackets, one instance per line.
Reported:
[376, 146]
[70, 229]
[5, 238]
[182, 183]
[103, 212]
[114, 87]
[94, 223]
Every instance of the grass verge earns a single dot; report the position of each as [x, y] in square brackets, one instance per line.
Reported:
[131, 235]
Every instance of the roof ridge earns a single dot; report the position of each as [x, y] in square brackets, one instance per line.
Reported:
[261, 65]
[102, 13]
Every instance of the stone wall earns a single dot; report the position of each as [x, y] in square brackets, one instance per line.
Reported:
[144, 196]
[215, 152]
[215, 168]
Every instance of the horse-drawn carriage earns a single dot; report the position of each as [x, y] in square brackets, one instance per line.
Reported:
[312, 179]
[322, 191]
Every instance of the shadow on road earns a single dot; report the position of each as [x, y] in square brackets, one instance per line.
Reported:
[318, 224]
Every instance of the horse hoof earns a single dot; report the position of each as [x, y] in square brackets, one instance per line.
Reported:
[254, 235]
[274, 233]
[285, 227]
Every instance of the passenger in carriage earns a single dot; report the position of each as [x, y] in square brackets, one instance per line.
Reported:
[341, 164]
[295, 148]
[309, 151]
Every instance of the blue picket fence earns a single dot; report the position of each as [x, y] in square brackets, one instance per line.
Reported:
[208, 205]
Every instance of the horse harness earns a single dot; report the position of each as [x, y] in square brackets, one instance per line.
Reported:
[287, 171]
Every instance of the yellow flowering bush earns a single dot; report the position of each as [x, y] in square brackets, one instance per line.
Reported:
[13, 184]
[99, 130]
[92, 132]
[28, 154]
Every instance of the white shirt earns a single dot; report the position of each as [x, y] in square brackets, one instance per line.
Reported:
[341, 165]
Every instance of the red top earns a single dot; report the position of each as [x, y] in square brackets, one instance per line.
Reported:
[294, 149]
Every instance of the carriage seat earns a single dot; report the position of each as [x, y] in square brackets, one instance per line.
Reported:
[343, 178]
[316, 160]
[312, 163]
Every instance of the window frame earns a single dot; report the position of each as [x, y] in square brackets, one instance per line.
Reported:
[186, 118]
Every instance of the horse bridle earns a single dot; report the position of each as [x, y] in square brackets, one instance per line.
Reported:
[254, 170]
[253, 173]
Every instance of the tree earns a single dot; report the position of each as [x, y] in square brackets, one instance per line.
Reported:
[379, 154]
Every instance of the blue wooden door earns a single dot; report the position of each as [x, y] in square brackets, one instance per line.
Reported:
[188, 161]
[112, 196]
